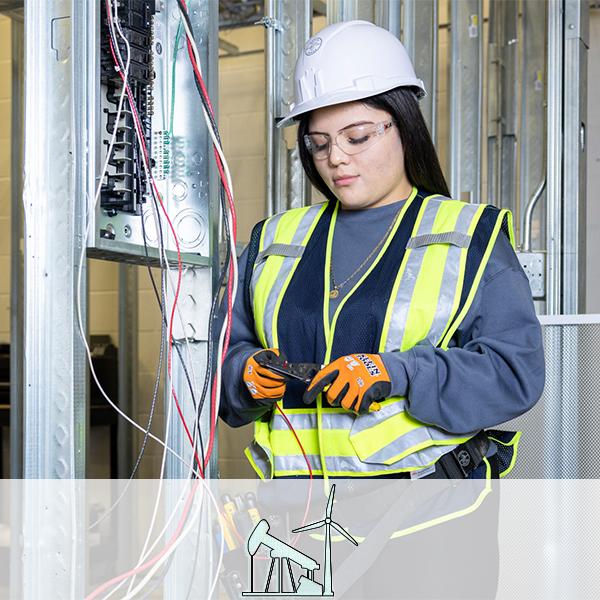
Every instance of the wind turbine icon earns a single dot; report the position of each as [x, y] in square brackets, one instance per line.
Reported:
[329, 523]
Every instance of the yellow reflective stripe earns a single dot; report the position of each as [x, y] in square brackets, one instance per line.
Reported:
[253, 464]
[461, 272]
[367, 443]
[261, 292]
[454, 515]
[511, 230]
[367, 272]
[330, 329]
[476, 281]
[514, 442]
[284, 443]
[399, 276]
[292, 229]
[275, 272]
[424, 301]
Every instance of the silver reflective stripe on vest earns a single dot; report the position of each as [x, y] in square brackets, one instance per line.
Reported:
[408, 282]
[343, 465]
[270, 230]
[420, 458]
[456, 238]
[285, 269]
[451, 276]
[296, 463]
[300, 421]
[373, 418]
[262, 458]
[412, 438]
[281, 250]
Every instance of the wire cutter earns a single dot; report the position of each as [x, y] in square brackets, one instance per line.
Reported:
[298, 371]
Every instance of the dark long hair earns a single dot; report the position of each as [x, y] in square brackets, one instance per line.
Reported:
[421, 162]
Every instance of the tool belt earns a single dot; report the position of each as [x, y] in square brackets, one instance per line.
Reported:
[465, 458]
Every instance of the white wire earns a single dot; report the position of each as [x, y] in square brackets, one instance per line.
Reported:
[192, 40]
[181, 537]
[115, 21]
[145, 552]
[223, 330]
[91, 208]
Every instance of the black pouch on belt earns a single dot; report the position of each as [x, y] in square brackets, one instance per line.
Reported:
[507, 443]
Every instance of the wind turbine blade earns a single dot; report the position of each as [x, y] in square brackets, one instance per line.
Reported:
[330, 501]
[339, 529]
[309, 527]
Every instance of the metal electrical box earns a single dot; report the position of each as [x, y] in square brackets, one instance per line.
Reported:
[170, 112]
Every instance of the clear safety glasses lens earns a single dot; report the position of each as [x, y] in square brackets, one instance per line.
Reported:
[351, 141]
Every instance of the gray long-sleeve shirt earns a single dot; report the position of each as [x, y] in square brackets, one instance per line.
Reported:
[492, 372]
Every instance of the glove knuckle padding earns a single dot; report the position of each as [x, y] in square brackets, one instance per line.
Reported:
[261, 381]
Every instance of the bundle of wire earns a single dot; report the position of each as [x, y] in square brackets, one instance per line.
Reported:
[230, 226]
[230, 233]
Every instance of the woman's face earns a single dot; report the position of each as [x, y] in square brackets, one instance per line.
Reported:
[374, 177]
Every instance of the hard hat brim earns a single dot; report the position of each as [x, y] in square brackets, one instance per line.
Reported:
[347, 96]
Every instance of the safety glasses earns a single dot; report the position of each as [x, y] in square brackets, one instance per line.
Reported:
[350, 141]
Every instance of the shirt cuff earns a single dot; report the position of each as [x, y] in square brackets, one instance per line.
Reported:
[401, 367]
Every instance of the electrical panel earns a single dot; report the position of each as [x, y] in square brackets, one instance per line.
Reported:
[125, 184]
[124, 223]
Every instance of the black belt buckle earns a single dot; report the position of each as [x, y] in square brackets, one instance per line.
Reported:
[464, 459]
[468, 455]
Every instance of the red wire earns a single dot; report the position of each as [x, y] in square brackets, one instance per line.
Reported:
[143, 567]
[213, 416]
[287, 421]
[179, 261]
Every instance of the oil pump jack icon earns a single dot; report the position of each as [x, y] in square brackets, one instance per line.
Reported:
[280, 551]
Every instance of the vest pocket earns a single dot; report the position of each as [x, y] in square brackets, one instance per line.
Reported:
[392, 437]
[508, 444]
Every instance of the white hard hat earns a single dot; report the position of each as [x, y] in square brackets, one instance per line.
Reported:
[349, 61]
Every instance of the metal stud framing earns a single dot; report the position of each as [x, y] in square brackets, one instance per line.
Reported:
[54, 395]
[420, 37]
[576, 43]
[465, 99]
[287, 27]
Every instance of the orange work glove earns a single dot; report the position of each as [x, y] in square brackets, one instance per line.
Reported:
[355, 382]
[262, 383]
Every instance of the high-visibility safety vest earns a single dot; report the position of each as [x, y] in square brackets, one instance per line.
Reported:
[418, 289]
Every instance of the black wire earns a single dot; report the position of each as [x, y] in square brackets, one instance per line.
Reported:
[164, 320]
[210, 359]
[161, 238]
[221, 280]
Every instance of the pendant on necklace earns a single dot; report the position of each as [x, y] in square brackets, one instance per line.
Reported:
[334, 293]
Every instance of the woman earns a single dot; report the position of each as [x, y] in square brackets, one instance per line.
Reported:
[415, 305]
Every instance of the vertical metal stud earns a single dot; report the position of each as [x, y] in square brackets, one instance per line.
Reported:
[420, 37]
[349, 10]
[54, 390]
[16, 291]
[16, 270]
[509, 16]
[190, 569]
[533, 124]
[465, 99]
[388, 14]
[576, 43]
[287, 29]
[555, 157]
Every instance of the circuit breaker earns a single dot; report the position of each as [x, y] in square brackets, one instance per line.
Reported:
[168, 107]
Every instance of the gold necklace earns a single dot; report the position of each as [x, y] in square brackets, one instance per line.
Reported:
[335, 288]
